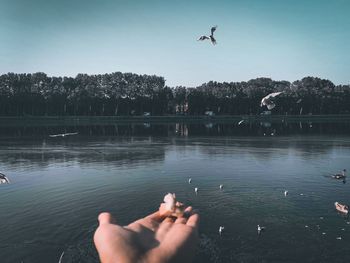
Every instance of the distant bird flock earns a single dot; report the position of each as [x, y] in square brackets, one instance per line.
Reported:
[343, 209]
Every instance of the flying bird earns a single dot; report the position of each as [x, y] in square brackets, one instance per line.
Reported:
[4, 179]
[221, 186]
[63, 134]
[221, 228]
[211, 37]
[240, 122]
[285, 193]
[267, 101]
[189, 180]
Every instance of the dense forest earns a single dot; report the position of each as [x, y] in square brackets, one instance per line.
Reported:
[127, 94]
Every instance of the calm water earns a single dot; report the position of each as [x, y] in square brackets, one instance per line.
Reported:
[59, 185]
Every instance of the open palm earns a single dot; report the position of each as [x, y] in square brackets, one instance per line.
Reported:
[150, 239]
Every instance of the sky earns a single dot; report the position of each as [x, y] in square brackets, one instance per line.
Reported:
[282, 40]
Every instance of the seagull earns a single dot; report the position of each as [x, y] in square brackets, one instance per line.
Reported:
[285, 192]
[60, 260]
[338, 238]
[340, 176]
[221, 186]
[4, 179]
[221, 228]
[196, 190]
[306, 226]
[63, 134]
[211, 37]
[266, 101]
[189, 180]
[260, 228]
[323, 233]
[240, 122]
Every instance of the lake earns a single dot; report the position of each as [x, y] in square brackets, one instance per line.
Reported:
[60, 185]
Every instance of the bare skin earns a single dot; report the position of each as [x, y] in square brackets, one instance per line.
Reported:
[150, 239]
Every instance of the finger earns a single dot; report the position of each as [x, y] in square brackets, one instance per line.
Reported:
[188, 211]
[181, 220]
[106, 218]
[164, 228]
[193, 221]
[168, 220]
[154, 216]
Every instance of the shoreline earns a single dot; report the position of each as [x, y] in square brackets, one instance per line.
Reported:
[112, 120]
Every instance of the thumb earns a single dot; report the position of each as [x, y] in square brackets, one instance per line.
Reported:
[105, 218]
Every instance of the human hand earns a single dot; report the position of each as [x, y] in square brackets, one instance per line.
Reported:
[150, 239]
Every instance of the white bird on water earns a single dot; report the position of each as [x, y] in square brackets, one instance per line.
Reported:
[285, 192]
[4, 179]
[221, 186]
[221, 228]
[260, 228]
[189, 180]
[196, 190]
[266, 101]
[211, 37]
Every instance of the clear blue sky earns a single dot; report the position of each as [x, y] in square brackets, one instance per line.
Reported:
[272, 38]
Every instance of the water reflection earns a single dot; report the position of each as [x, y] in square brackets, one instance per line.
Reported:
[61, 184]
[184, 129]
[117, 151]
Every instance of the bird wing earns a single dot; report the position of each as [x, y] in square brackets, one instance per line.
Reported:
[213, 29]
[4, 177]
[272, 95]
[71, 133]
[60, 260]
[54, 135]
[201, 38]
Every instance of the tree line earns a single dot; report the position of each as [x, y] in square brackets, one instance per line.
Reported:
[127, 94]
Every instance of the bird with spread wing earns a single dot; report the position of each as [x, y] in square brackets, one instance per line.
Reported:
[267, 101]
[211, 37]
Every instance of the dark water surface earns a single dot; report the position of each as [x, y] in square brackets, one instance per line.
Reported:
[59, 185]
